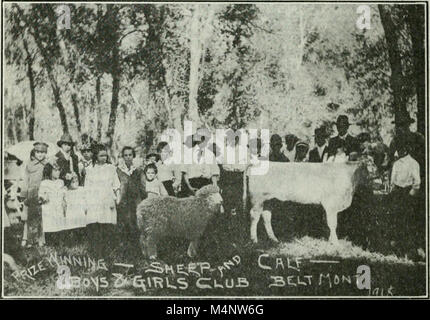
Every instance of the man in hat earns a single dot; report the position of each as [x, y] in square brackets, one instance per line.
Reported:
[415, 142]
[275, 153]
[204, 170]
[318, 153]
[67, 160]
[350, 143]
[302, 149]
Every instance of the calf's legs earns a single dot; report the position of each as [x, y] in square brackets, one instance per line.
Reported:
[256, 213]
[255, 217]
[267, 218]
[332, 224]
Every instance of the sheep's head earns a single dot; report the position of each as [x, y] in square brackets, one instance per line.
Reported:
[213, 195]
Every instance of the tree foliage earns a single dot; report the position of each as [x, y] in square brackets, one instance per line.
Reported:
[124, 72]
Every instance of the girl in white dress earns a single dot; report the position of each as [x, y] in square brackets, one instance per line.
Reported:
[52, 198]
[102, 187]
[76, 209]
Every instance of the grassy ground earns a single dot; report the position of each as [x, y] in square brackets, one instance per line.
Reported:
[304, 263]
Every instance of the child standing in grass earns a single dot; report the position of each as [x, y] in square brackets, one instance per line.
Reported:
[51, 196]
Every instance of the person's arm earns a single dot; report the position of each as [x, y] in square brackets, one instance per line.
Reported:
[214, 180]
[163, 191]
[416, 180]
[187, 182]
[116, 185]
[81, 168]
[24, 186]
[64, 202]
[177, 178]
[123, 186]
[43, 193]
[393, 176]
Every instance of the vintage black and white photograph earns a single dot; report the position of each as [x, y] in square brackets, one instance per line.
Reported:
[214, 149]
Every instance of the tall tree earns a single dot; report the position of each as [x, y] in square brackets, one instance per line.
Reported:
[37, 21]
[397, 80]
[416, 22]
[30, 73]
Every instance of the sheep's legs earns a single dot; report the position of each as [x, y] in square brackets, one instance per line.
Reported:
[332, 224]
[192, 249]
[267, 218]
[255, 217]
[148, 246]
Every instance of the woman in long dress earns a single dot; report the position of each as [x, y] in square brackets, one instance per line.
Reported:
[30, 192]
[103, 189]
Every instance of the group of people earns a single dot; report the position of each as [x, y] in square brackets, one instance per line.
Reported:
[402, 163]
[80, 194]
[82, 191]
[404, 157]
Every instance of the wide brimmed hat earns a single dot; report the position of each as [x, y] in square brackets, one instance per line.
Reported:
[65, 138]
[342, 119]
[40, 146]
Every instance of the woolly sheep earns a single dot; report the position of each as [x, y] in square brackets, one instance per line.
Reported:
[177, 217]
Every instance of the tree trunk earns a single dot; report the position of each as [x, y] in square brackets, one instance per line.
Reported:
[59, 104]
[115, 95]
[30, 75]
[415, 18]
[76, 112]
[115, 71]
[99, 110]
[195, 52]
[55, 89]
[154, 57]
[396, 79]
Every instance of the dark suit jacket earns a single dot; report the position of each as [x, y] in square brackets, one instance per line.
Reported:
[65, 167]
[314, 156]
[351, 145]
[281, 157]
